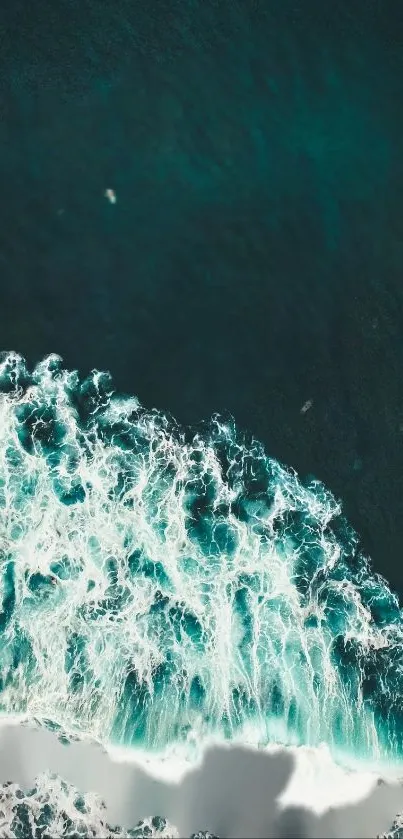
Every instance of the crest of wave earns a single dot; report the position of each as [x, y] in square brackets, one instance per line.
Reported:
[163, 585]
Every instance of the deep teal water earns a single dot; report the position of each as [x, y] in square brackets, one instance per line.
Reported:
[253, 259]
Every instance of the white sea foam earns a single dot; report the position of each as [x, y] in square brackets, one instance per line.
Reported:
[159, 586]
[166, 593]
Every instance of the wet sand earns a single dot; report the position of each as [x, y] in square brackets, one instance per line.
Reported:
[235, 791]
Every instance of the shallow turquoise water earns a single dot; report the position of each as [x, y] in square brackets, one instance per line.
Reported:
[161, 584]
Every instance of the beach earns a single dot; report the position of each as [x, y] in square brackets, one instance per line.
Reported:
[235, 791]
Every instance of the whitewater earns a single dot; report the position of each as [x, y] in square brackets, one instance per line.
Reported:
[164, 586]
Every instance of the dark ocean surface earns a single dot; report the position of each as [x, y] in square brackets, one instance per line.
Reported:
[254, 257]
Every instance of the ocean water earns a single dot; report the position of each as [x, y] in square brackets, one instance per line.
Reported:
[252, 261]
[163, 585]
[185, 541]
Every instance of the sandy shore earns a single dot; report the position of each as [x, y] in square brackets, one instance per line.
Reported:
[233, 792]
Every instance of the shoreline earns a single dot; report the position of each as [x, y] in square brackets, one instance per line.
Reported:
[258, 785]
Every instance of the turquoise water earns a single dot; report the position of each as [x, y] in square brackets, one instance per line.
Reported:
[163, 584]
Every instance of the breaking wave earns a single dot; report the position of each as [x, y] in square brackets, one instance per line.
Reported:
[162, 585]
